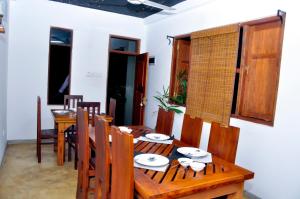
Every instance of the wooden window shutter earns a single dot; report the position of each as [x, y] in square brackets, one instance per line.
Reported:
[212, 72]
[260, 69]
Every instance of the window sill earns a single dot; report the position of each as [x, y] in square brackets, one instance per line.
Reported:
[254, 120]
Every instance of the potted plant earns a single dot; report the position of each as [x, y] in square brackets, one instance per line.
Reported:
[163, 99]
[180, 96]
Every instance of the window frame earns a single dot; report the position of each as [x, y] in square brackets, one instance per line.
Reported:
[174, 65]
[70, 65]
[138, 45]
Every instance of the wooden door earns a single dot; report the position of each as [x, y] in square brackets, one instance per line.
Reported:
[260, 70]
[140, 84]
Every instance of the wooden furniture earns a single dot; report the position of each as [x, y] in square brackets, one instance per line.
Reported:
[64, 121]
[122, 165]
[45, 136]
[93, 108]
[223, 141]
[102, 149]
[112, 109]
[70, 101]
[259, 69]
[191, 130]
[164, 123]
[84, 169]
[218, 178]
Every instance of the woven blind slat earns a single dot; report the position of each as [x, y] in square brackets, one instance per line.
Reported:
[212, 73]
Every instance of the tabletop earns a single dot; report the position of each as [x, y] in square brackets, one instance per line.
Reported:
[178, 181]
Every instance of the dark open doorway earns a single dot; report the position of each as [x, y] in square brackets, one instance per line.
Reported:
[121, 86]
[127, 72]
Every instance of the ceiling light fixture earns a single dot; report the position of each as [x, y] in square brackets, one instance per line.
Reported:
[135, 2]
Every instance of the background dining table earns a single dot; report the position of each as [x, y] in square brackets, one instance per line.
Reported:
[218, 177]
[63, 119]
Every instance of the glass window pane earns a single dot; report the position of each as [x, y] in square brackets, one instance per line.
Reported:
[60, 36]
[123, 45]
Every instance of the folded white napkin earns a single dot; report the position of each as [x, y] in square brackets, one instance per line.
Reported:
[125, 129]
[161, 168]
[205, 159]
[142, 138]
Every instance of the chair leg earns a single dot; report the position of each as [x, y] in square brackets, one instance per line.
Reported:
[76, 157]
[69, 152]
[39, 155]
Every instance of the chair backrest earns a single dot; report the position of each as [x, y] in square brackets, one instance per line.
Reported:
[83, 153]
[102, 159]
[70, 101]
[223, 141]
[122, 165]
[191, 130]
[112, 109]
[38, 123]
[164, 123]
[93, 108]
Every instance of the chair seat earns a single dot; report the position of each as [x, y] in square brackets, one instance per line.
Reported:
[49, 133]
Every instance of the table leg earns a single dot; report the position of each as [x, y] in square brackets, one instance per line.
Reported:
[60, 143]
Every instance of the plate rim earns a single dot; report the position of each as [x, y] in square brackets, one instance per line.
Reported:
[151, 165]
[206, 153]
[157, 139]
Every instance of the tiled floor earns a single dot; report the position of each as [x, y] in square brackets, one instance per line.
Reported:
[21, 177]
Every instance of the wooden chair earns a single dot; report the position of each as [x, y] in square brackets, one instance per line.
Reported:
[102, 163]
[84, 169]
[70, 101]
[122, 165]
[112, 109]
[223, 141]
[191, 130]
[48, 135]
[93, 108]
[164, 123]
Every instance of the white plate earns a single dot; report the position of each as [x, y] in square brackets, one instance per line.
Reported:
[157, 136]
[152, 160]
[61, 111]
[192, 152]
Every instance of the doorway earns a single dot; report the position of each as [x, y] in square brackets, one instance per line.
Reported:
[127, 72]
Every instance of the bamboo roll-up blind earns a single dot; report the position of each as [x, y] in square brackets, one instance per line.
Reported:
[212, 73]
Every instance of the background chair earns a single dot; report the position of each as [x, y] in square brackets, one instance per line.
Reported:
[223, 141]
[102, 163]
[191, 130]
[112, 109]
[164, 123]
[84, 169]
[122, 165]
[70, 101]
[93, 108]
[48, 135]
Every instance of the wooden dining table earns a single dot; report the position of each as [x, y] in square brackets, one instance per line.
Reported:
[218, 178]
[62, 122]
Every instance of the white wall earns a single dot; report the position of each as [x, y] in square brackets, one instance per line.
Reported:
[28, 57]
[3, 81]
[271, 152]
